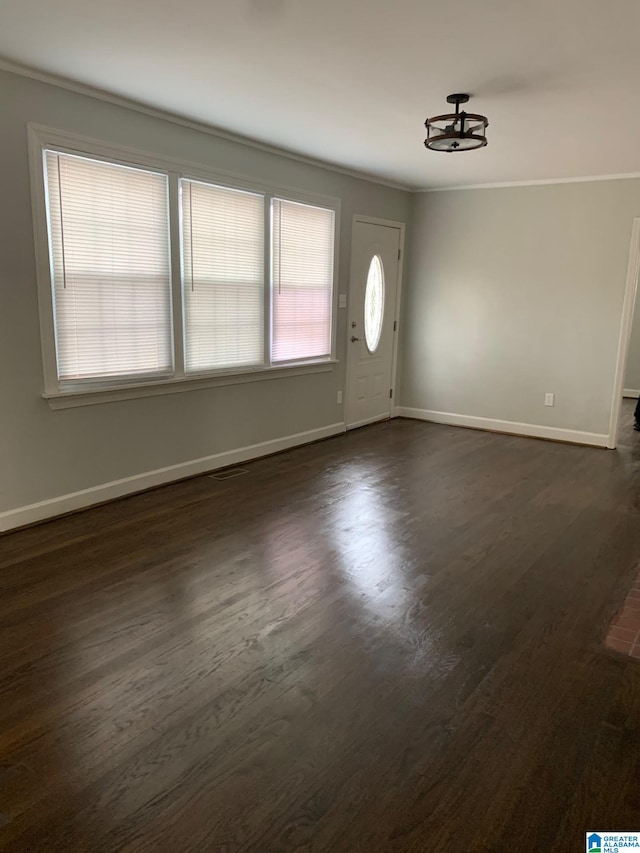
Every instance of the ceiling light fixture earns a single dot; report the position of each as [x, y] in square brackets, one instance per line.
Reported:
[457, 131]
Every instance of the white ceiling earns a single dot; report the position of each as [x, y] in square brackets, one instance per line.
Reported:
[351, 81]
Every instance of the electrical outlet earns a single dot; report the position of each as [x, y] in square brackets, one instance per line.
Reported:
[342, 300]
[339, 397]
[549, 399]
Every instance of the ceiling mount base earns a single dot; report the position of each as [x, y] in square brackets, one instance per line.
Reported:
[457, 99]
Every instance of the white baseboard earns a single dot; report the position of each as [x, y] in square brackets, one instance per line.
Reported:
[512, 427]
[630, 392]
[139, 482]
[374, 420]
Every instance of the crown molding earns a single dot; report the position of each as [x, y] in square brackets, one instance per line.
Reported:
[130, 104]
[202, 127]
[586, 179]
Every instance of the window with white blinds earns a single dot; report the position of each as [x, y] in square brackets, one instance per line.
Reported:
[223, 276]
[110, 267]
[302, 263]
[148, 275]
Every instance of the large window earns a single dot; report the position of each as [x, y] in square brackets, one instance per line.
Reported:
[223, 275]
[154, 276]
[302, 276]
[109, 254]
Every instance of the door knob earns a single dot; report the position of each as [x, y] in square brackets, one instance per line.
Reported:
[353, 324]
[354, 339]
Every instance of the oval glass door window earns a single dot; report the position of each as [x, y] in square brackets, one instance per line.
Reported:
[374, 304]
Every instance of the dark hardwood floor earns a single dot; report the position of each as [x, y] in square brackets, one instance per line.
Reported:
[388, 641]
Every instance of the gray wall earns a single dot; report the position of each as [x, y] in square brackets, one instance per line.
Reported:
[632, 374]
[514, 292]
[45, 453]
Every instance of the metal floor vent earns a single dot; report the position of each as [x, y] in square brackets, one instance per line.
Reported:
[228, 474]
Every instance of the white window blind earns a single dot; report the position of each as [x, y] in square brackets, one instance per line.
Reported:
[302, 280]
[223, 276]
[109, 252]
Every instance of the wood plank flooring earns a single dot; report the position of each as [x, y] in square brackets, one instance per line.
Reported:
[388, 641]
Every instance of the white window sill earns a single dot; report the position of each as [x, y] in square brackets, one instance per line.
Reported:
[93, 396]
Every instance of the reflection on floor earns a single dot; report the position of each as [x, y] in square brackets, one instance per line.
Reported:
[387, 642]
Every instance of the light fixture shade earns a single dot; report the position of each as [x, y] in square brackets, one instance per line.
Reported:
[459, 131]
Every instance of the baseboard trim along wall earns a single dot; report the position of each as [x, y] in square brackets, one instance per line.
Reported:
[529, 430]
[630, 392]
[140, 482]
[374, 420]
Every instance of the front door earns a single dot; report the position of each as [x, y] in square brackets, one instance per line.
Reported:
[375, 262]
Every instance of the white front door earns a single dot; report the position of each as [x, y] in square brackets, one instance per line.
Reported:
[373, 288]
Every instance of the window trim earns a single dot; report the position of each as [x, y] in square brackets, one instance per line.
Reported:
[61, 395]
[133, 391]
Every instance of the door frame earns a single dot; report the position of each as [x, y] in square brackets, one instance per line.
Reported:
[626, 325]
[401, 226]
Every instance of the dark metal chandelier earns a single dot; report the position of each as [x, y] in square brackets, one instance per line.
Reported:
[457, 131]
